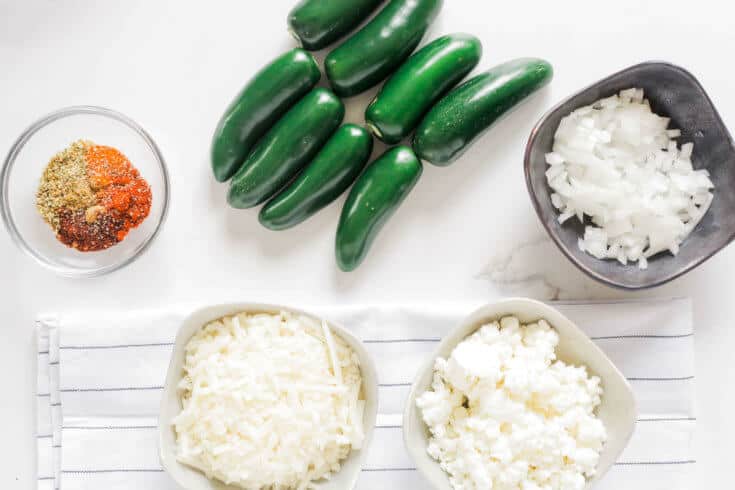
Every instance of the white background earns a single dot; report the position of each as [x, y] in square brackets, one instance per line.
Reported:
[467, 232]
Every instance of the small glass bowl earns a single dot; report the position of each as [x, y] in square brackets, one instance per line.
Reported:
[24, 165]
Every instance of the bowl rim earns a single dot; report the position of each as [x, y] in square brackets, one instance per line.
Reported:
[15, 150]
[166, 451]
[471, 323]
[599, 277]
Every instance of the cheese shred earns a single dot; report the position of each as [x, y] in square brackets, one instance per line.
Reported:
[269, 402]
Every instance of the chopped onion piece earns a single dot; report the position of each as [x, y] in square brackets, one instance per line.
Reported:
[617, 163]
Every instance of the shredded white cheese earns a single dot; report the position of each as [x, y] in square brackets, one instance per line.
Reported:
[505, 414]
[269, 401]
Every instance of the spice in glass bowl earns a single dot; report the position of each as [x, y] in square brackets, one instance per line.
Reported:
[92, 196]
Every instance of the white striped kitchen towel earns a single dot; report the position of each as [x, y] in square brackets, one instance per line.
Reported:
[100, 377]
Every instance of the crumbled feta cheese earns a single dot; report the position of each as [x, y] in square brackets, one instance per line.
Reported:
[505, 414]
[269, 401]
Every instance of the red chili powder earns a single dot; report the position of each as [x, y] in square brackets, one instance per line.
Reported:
[123, 202]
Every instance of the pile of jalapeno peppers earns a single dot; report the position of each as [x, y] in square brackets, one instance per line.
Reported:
[282, 142]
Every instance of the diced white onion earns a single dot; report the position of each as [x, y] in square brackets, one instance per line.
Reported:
[616, 162]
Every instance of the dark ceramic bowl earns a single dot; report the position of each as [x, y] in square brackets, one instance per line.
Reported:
[675, 93]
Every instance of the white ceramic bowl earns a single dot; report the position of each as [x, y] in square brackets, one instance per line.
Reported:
[617, 410]
[191, 479]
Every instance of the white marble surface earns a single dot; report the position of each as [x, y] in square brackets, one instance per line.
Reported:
[466, 232]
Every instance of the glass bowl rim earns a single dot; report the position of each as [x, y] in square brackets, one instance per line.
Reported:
[15, 150]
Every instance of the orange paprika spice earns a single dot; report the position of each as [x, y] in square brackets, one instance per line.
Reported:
[92, 196]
